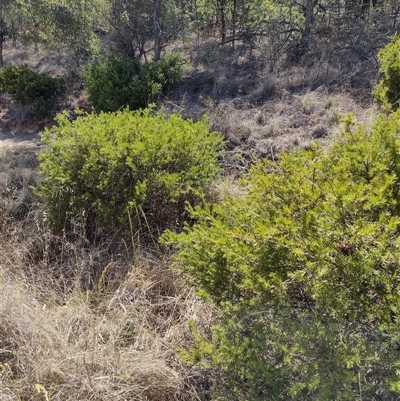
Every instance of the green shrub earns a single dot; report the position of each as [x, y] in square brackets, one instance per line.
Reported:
[108, 82]
[103, 168]
[29, 88]
[157, 78]
[387, 91]
[117, 82]
[305, 270]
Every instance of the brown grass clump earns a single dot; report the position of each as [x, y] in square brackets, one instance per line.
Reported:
[84, 321]
[124, 349]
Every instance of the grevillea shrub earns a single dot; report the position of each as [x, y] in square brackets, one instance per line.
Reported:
[119, 81]
[30, 88]
[108, 82]
[110, 167]
[305, 271]
[387, 91]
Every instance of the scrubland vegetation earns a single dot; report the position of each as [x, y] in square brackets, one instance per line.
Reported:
[204, 219]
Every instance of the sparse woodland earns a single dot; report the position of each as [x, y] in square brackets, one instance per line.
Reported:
[213, 212]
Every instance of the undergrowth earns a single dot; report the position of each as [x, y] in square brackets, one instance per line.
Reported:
[84, 321]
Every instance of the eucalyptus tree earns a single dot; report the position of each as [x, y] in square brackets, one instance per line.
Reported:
[4, 7]
[71, 25]
[136, 23]
[61, 24]
[74, 24]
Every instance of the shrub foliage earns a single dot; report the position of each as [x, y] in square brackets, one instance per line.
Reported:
[103, 168]
[387, 91]
[117, 82]
[305, 270]
[30, 88]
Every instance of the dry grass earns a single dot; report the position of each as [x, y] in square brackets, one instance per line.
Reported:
[123, 348]
[38, 58]
[82, 321]
[263, 112]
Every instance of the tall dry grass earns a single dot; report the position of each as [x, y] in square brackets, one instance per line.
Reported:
[265, 106]
[82, 321]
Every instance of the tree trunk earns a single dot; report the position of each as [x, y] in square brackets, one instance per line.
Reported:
[1, 50]
[157, 30]
[365, 6]
[3, 32]
[351, 8]
[2, 35]
[222, 20]
[308, 11]
[234, 13]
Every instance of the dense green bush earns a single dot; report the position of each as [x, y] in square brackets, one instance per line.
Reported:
[305, 270]
[29, 88]
[116, 82]
[103, 168]
[108, 82]
[156, 78]
[387, 91]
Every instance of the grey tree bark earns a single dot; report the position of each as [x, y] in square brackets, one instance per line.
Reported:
[157, 30]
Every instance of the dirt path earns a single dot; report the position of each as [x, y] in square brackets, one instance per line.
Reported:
[9, 139]
[16, 130]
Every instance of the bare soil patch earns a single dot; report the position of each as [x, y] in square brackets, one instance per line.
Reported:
[17, 129]
[24, 140]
